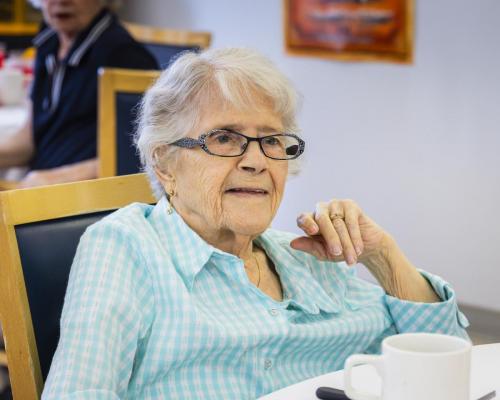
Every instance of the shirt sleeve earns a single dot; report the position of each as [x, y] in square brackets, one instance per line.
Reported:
[441, 317]
[103, 318]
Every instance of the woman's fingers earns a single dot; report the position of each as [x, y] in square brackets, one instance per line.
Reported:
[347, 246]
[351, 219]
[327, 230]
[350, 222]
[334, 230]
[306, 222]
[314, 246]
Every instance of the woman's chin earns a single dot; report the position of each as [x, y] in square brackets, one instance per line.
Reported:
[248, 223]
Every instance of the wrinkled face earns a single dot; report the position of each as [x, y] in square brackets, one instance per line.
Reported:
[237, 194]
[70, 17]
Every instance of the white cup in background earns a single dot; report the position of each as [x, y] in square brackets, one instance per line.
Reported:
[417, 366]
[11, 86]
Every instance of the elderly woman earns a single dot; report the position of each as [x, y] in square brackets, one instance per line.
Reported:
[58, 141]
[196, 298]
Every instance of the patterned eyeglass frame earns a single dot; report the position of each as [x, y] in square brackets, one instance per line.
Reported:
[190, 143]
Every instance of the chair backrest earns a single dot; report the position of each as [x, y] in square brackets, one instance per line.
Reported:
[164, 44]
[120, 91]
[39, 232]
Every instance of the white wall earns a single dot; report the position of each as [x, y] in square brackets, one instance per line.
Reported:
[416, 146]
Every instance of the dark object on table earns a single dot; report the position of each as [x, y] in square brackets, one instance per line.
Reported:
[328, 393]
[488, 396]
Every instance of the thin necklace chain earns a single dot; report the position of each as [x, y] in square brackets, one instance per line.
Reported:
[258, 268]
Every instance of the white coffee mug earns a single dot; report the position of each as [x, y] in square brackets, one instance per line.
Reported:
[417, 366]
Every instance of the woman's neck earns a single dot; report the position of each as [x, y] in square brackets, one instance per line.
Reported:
[65, 43]
[241, 245]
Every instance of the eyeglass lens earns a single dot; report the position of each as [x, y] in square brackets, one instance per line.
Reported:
[227, 143]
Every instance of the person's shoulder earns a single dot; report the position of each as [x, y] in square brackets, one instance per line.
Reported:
[117, 48]
[126, 221]
[116, 34]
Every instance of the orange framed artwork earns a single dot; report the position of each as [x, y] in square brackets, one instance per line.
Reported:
[350, 30]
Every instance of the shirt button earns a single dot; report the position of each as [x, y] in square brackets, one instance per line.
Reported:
[274, 312]
[268, 364]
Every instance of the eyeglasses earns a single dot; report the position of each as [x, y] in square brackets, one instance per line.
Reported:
[228, 143]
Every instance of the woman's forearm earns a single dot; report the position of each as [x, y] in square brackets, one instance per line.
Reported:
[79, 171]
[397, 275]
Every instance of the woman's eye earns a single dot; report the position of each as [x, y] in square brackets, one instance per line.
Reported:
[271, 141]
[224, 138]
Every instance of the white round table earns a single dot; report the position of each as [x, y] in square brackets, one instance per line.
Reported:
[485, 377]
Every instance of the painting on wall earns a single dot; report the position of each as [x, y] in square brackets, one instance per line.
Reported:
[350, 30]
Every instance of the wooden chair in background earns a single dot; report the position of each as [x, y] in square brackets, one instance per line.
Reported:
[39, 232]
[120, 92]
[8, 185]
[165, 44]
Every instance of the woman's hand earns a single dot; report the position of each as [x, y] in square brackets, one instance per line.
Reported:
[340, 231]
[36, 178]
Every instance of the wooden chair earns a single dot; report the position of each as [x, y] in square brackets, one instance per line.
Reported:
[8, 185]
[39, 232]
[120, 91]
[164, 44]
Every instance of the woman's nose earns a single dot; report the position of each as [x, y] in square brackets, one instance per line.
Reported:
[253, 160]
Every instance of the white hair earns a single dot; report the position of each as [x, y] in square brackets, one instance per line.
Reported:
[112, 4]
[236, 77]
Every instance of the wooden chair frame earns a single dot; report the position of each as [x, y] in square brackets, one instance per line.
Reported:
[40, 204]
[149, 34]
[8, 185]
[112, 81]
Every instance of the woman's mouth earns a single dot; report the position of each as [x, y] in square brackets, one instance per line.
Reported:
[62, 16]
[247, 191]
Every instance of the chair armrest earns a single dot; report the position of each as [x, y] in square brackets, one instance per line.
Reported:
[8, 185]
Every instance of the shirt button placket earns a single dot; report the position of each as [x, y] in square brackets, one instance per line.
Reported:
[274, 312]
[268, 364]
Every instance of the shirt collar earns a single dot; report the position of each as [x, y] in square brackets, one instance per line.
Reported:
[43, 36]
[84, 40]
[299, 284]
[190, 253]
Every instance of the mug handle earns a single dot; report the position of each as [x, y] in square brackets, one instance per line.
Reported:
[358, 359]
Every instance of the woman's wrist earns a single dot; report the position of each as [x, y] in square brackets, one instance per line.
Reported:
[397, 275]
[380, 262]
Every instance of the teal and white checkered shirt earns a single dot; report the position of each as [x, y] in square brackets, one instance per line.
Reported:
[154, 312]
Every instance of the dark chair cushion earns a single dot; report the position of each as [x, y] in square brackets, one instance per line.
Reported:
[47, 249]
[127, 160]
[164, 54]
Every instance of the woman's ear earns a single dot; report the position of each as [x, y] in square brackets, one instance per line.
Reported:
[164, 176]
[162, 169]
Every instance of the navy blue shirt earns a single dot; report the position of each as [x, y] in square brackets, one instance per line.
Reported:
[64, 93]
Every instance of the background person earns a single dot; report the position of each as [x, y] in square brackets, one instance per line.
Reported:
[197, 297]
[58, 140]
